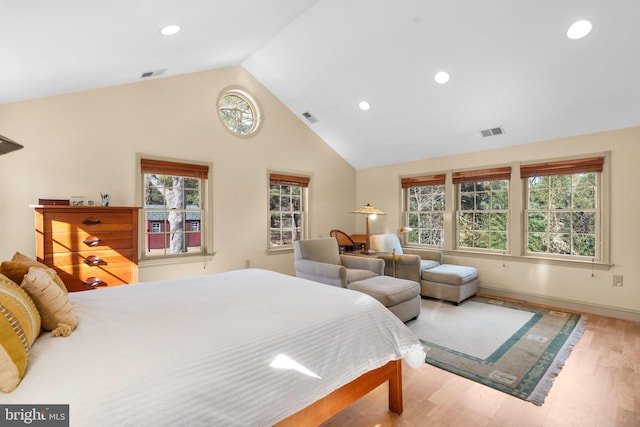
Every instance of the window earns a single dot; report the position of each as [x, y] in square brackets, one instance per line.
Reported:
[562, 208]
[287, 200]
[239, 112]
[482, 208]
[174, 207]
[425, 207]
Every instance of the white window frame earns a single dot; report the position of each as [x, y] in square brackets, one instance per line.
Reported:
[602, 213]
[206, 227]
[303, 212]
[414, 230]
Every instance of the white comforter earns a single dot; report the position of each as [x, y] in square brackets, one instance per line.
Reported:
[243, 348]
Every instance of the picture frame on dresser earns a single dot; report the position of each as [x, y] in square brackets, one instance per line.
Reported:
[77, 201]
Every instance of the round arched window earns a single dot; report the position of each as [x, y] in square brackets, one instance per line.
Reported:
[239, 112]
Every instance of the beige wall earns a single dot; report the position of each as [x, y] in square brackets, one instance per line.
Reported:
[558, 284]
[86, 143]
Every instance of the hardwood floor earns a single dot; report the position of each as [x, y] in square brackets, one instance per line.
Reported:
[599, 386]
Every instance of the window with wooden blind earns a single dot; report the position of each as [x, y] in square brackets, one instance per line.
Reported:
[563, 207]
[425, 207]
[287, 215]
[483, 208]
[174, 208]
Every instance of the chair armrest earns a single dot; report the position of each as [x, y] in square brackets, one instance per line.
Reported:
[363, 263]
[330, 274]
[426, 254]
[406, 266]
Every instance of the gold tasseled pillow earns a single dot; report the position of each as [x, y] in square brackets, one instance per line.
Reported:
[30, 262]
[56, 310]
[19, 328]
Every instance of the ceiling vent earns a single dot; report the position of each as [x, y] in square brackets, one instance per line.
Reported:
[153, 73]
[492, 132]
[307, 115]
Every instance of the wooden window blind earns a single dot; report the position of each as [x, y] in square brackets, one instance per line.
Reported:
[566, 167]
[493, 174]
[161, 167]
[423, 181]
[280, 179]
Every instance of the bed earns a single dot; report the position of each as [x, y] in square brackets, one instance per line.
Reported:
[243, 348]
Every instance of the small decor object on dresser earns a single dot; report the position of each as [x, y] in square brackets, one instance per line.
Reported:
[105, 199]
[77, 201]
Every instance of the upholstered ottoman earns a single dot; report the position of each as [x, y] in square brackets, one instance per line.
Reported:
[400, 296]
[449, 282]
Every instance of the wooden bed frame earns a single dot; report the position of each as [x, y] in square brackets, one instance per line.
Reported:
[330, 405]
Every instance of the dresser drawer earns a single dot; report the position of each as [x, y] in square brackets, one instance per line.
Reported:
[83, 278]
[90, 258]
[83, 241]
[90, 222]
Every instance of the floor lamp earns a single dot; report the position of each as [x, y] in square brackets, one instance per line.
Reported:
[370, 213]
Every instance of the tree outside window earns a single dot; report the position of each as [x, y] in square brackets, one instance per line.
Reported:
[563, 209]
[173, 207]
[287, 195]
[562, 214]
[425, 207]
[483, 208]
[483, 215]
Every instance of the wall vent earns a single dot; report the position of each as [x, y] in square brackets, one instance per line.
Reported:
[307, 115]
[492, 132]
[153, 73]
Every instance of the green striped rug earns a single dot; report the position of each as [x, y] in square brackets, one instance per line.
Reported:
[516, 348]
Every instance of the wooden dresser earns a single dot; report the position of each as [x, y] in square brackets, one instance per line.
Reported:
[89, 246]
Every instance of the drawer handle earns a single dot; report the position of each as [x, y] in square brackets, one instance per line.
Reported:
[91, 221]
[93, 260]
[91, 241]
[93, 282]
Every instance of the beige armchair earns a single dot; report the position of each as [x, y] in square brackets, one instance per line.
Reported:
[453, 283]
[409, 262]
[320, 260]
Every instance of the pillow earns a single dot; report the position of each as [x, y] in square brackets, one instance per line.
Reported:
[386, 243]
[56, 310]
[19, 328]
[23, 259]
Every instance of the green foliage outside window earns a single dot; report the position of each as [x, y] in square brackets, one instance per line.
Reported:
[426, 215]
[562, 214]
[286, 215]
[483, 214]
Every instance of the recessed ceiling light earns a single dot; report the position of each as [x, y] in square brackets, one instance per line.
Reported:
[442, 77]
[579, 29]
[170, 30]
[364, 105]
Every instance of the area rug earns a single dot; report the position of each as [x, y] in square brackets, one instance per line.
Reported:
[513, 347]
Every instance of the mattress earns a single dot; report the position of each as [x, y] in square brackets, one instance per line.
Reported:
[242, 348]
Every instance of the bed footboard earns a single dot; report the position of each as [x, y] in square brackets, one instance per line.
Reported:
[330, 405]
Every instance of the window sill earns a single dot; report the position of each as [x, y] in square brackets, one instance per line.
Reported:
[533, 259]
[173, 260]
[279, 250]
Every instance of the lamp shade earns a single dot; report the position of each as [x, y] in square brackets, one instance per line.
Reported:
[370, 213]
[368, 210]
[7, 145]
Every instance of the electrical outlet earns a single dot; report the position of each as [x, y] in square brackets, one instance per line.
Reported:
[617, 280]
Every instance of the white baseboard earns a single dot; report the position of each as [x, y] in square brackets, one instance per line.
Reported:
[603, 310]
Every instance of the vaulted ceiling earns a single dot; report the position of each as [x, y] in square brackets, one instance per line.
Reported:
[510, 62]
